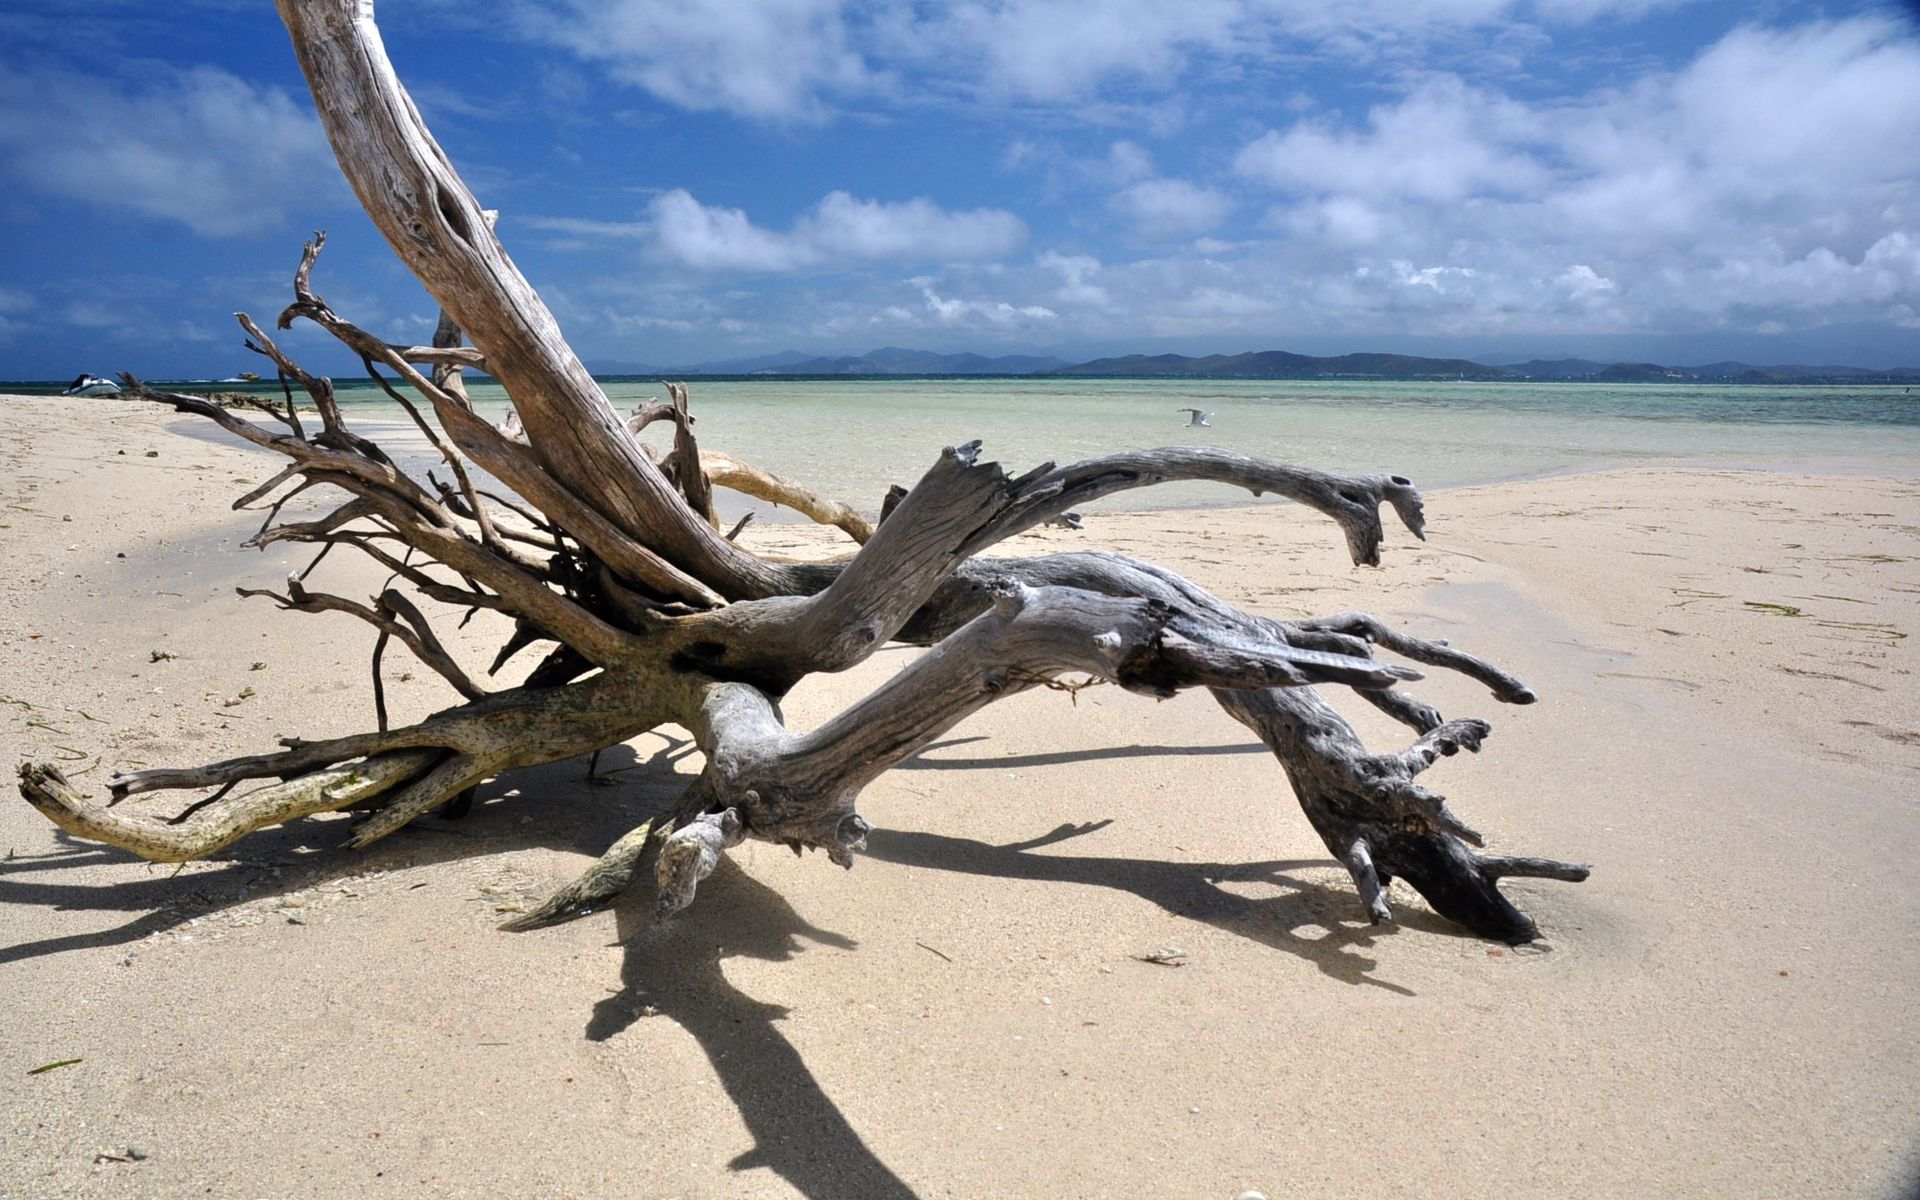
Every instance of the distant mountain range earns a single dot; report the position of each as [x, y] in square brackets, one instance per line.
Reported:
[1718, 372]
[1279, 364]
[1262, 364]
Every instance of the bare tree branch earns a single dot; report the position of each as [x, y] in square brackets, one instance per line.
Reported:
[647, 614]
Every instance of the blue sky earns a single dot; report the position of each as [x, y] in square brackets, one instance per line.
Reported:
[704, 178]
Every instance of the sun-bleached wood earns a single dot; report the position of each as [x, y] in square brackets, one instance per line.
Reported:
[609, 561]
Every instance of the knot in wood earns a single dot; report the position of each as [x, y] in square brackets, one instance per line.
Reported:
[852, 831]
[1009, 597]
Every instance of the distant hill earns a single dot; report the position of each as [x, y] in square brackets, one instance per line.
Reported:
[893, 360]
[1280, 364]
[1557, 368]
[1578, 369]
[1640, 373]
[1260, 364]
[1737, 372]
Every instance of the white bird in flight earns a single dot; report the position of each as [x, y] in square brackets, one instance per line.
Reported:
[1196, 417]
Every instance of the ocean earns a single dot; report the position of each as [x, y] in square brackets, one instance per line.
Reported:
[851, 437]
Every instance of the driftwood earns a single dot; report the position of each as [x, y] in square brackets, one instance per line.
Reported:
[608, 557]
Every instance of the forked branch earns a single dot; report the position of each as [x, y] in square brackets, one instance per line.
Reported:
[654, 616]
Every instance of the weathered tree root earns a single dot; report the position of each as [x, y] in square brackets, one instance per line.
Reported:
[611, 874]
[690, 853]
[608, 558]
[1380, 824]
[327, 790]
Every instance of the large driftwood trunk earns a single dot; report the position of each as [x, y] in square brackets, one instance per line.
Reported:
[610, 562]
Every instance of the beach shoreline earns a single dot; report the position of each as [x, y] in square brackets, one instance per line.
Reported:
[1887, 458]
[1726, 732]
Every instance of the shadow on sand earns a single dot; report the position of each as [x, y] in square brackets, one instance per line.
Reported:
[676, 969]
[800, 1134]
[1322, 925]
[575, 814]
[920, 761]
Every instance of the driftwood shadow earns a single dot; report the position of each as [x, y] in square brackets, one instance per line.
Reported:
[1285, 921]
[920, 761]
[575, 814]
[673, 970]
[676, 970]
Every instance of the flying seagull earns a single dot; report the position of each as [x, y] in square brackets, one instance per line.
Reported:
[1196, 417]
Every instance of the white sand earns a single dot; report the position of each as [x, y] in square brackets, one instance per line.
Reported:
[1728, 1007]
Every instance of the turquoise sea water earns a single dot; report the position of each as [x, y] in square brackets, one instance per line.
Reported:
[851, 437]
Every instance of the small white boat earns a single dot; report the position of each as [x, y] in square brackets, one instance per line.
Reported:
[92, 385]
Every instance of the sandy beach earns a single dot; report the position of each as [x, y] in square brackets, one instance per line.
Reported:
[1730, 1006]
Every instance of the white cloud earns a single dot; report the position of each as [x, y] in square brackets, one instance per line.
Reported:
[913, 230]
[200, 147]
[1443, 142]
[1573, 12]
[840, 229]
[720, 239]
[784, 60]
[981, 313]
[1065, 50]
[1075, 271]
[1345, 221]
[1770, 180]
[1886, 274]
[1149, 204]
[768, 59]
[1070, 51]
[1062, 170]
[1582, 285]
[1173, 207]
[1835, 100]
[1775, 172]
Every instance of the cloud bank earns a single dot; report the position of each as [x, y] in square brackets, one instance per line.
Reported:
[685, 180]
[1767, 183]
[839, 231]
[200, 147]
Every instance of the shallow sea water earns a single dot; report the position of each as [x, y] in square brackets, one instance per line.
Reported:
[851, 437]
